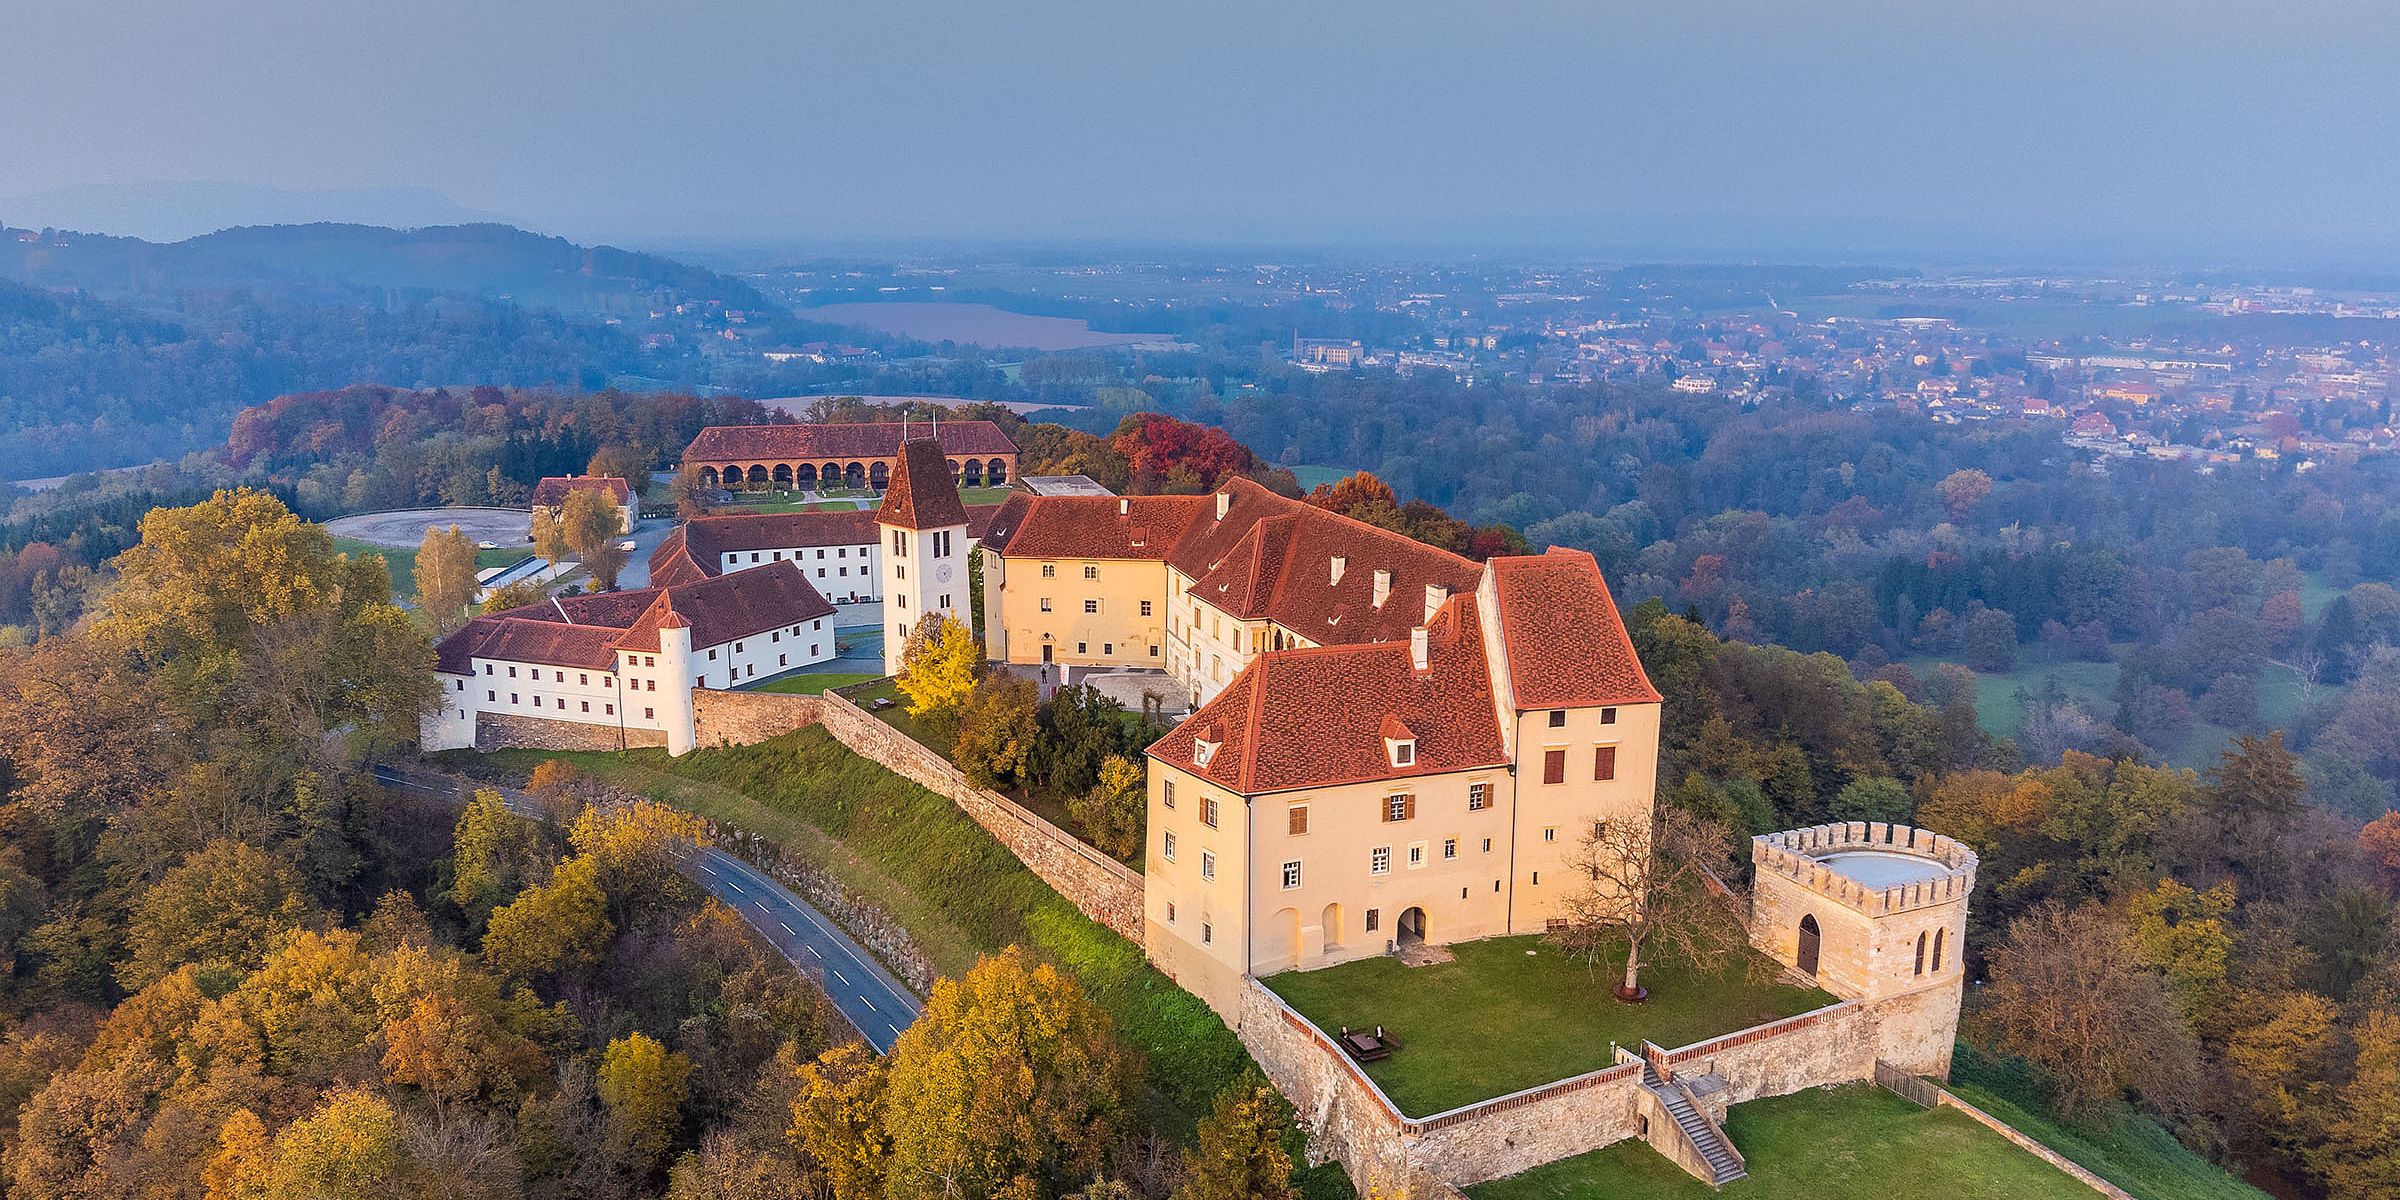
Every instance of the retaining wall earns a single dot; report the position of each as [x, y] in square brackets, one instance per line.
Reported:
[722, 718]
[500, 731]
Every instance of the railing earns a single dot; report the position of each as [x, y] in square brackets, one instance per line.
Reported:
[1918, 1091]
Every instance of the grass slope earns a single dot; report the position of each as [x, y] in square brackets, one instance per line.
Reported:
[2134, 1153]
[1537, 1017]
[1856, 1142]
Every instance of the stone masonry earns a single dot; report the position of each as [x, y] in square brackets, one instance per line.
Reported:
[500, 731]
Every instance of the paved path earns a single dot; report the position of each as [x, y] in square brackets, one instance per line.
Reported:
[868, 996]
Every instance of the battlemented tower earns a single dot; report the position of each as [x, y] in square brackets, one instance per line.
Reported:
[925, 546]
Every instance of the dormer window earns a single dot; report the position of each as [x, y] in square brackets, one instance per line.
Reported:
[1404, 753]
[1203, 753]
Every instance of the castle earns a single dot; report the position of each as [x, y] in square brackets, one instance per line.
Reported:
[1390, 746]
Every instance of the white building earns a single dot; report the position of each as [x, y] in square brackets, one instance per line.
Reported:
[841, 553]
[626, 661]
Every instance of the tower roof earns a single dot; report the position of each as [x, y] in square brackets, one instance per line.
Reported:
[923, 494]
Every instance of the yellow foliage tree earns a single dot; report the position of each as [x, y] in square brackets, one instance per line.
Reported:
[350, 1148]
[491, 848]
[1012, 1082]
[1241, 1154]
[939, 665]
[637, 845]
[2361, 1154]
[552, 926]
[243, 1166]
[2182, 934]
[446, 583]
[222, 909]
[838, 1119]
[644, 1086]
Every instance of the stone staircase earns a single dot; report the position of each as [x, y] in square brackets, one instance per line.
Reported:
[1724, 1164]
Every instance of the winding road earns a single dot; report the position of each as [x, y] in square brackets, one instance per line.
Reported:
[867, 995]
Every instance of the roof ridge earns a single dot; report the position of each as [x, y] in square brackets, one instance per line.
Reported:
[1257, 711]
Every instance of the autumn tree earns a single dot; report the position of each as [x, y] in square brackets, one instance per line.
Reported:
[223, 909]
[446, 584]
[493, 852]
[644, 1086]
[617, 460]
[350, 1148]
[529, 590]
[996, 730]
[1657, 878]
[1011, 1083]
[1359, 495]
[550, 536]
[690, 494]
[939, 666]
[1240, 1155]
[1178, 457]
[2380, 840]
[2361, 1152]
[2066, 995]
[837, 1117]
[1962, 490]
[592, 525]
[1114, 811]
[553, 926]
[637, 844]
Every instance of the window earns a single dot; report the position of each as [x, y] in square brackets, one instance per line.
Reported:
[1487, 845]
[1550, 833]
[1608, 716]
[1921, 953]
[1537, 879]
[1154, 652]
[1374, 919]
[783, 660]
[1379, 862]
[1938, 934]
[1399, 807]
[1170, 912]
[491, 696]
[1208, 933]
[1208, 865]
[1208, 811]
[1091, 606]
[1297, 819]
[1416, 855]
[1558, 718]
[512, 698]
[1049, 570]
[1604, 762]
[649, 660]
[487, 668]
[1107, 648]
[583, 679]
[1083, 647]
[945, 599]
[737, 647]
[1166, 849]
[1554, 766]
[653, 685]
[712, 654]
[608, 710]
[1404, 754]
[1479, 797]
[1291, 875]
[1045, 604]
[1166, 793]
[512, 672]
[1145, 608]
[649, 714]
[1449, 848]
[587, 705]
[1091, 571]
[776, 636]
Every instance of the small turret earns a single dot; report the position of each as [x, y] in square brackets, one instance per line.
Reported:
[675, 667]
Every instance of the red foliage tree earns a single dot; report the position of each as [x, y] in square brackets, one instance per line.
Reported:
[1167, 454]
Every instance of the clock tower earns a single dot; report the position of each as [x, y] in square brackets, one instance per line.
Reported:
[924, 526]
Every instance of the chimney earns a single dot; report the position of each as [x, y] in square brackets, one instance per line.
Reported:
[1224, 503]
[1340, 564]
[1416, 647]
[1435, 596]
[1124, 505]
[1383, 586]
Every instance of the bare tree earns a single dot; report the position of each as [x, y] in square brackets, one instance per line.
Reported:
[1662, 878]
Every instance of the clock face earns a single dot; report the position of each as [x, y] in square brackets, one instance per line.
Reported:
[941, 573]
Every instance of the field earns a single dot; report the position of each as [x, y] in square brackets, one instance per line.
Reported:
[960, 893]
[1538, 1016]
[1856, 1142]
[1312, 476]
[2094, 684]
[403, 562]
[980, 324]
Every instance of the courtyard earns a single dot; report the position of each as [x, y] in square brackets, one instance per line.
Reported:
[1855, 1142]
[1512, 1013]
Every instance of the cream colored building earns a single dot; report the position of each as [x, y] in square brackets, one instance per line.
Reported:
[1337, 802]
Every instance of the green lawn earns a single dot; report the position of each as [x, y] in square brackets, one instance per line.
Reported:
[983, 495]
[2132, 1152]
[1856, 1142]
[960, 893]
[1536, 1017]
[2094, 685]
[814, 682]
[1311, 476]
[403, 562]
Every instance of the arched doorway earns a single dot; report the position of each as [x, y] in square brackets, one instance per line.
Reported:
[708, 477]
[974, 473]
[1811, 942]
[1412, 926]
[806, 477]
[855, 475]
[1331, 930]
[1286, 924]
[879, 476]
[997, 473]
[758, 478]
[830, 475]
[783, 477]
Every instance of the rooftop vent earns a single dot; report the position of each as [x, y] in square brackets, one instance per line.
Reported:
[1383, 586]
[1340, 564]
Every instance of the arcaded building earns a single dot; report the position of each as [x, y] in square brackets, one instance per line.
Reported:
[761, 458]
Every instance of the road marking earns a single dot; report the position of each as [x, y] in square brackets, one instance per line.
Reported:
[812, 950]
[838, 975]
[735, 886]
[788, 929]
[869, 1003]
[894, 1028]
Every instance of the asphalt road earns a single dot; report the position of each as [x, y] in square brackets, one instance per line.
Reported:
[867, 995]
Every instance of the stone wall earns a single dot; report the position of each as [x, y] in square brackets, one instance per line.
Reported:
[2030, 1146]
[1104, 889]
[722, 718]
[501, 731]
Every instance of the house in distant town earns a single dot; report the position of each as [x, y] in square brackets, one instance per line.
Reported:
[550, 496]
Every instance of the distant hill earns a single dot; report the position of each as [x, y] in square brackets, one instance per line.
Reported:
[364, 263]
[171, 210]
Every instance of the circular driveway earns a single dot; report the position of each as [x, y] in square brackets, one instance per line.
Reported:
[506, 528]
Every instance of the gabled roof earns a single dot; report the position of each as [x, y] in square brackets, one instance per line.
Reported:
[728, 607]
[1110, 527]
[1566, 645]
[726, 443]
[923, 494]
[1318, 717]
[553, 490]
[588, 630]
[697, 548]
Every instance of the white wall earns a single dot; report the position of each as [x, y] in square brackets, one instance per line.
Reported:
[837, 572]
[762, 655]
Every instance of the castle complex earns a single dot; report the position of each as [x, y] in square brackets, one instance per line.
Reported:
[1391, 747]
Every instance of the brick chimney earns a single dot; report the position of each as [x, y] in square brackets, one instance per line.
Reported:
[1416, 647]
[1383, 586]
[1340, 564]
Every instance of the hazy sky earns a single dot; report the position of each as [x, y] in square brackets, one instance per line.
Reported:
[2202, 130]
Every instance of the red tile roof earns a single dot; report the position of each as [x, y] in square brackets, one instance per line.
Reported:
[1566, 645]
[1112, 527]
[1318, 717]
[696, 548]
[923, 493]
[801, 443]
[587, 630]
[553, 489]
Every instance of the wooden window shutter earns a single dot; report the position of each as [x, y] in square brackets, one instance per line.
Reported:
[1299, 818]
[1408, 807]
[1604, 762]
[1554, 766]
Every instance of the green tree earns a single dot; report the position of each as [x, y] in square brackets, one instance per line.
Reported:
[1873, 798]
[223, 909]
[350, 1148]
[1012, 1082]
[492, 850]
[1115, 812]
[446, 584]
[644, 1086]
[1240, 1155]
[592, 525]
[552, 926]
